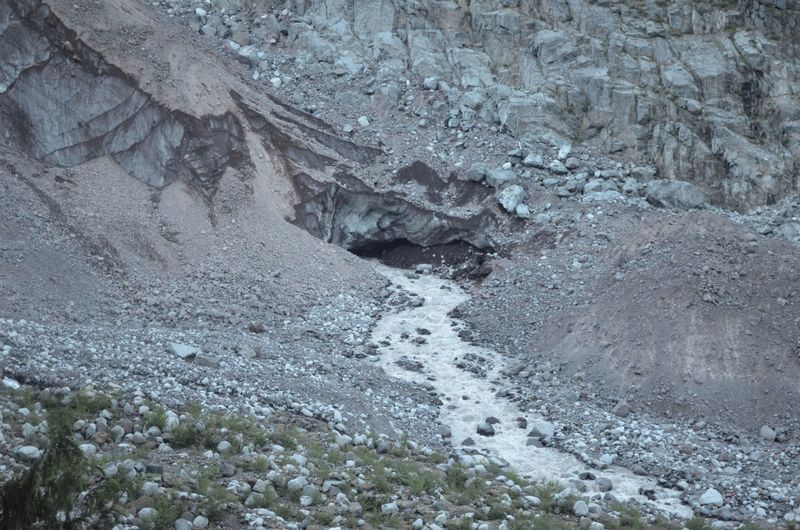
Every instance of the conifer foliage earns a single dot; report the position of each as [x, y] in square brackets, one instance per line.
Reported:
[56, 491]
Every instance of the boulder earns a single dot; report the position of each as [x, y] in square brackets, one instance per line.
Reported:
[184, 351]
[248, 55]
[28, 452]
[557, 167]
[534, 160]
[499, 177]
[768, 433]
[675, 194]
[523, 211]
[581, 509]
[485, 429]
[543, 430]
[510, 198]
[476, 173]
[790, 231]
[711, 497]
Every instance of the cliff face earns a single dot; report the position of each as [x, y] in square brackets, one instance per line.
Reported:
[702, 91]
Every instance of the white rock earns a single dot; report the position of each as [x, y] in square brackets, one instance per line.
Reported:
[200, 522]
[534, 160]
[150, 488]
[363, 121]
[543, 430]
[296, 484]
[200, 12]
[768, 433]
[88, 450]
[172, 421]
[390, 508]
[260, 486]
[10, 383]
[28, 452]
[510, 197]
[184, 351]
[248, 55]
[711, 496]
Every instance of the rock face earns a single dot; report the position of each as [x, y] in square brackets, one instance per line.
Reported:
[66, 106]
[708, 94]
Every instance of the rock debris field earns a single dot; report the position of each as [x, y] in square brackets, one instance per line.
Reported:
[370, 264]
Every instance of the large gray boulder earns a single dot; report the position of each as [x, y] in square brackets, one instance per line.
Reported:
[675, 194]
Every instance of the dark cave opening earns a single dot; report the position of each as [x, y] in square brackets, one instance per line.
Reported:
[402, 253]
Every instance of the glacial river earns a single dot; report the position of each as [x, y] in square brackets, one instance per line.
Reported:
[469, 400]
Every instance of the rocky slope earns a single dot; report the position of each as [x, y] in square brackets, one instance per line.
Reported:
[700, 91]
[173, 174]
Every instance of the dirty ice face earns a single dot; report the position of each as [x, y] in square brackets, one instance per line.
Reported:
[469, 400]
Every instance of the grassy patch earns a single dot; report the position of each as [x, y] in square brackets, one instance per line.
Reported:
[184, 435]
[463, 488]
[167, 511]
[418, 479]
[157, 417]
[547, 495]
[697, 523]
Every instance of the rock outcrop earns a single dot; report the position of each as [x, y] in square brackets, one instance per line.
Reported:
[63, 104]
[705, 93]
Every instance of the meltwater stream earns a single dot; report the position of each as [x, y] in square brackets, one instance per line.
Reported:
[469, 400]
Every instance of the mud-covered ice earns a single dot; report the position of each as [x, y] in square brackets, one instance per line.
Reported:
[469, 400]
